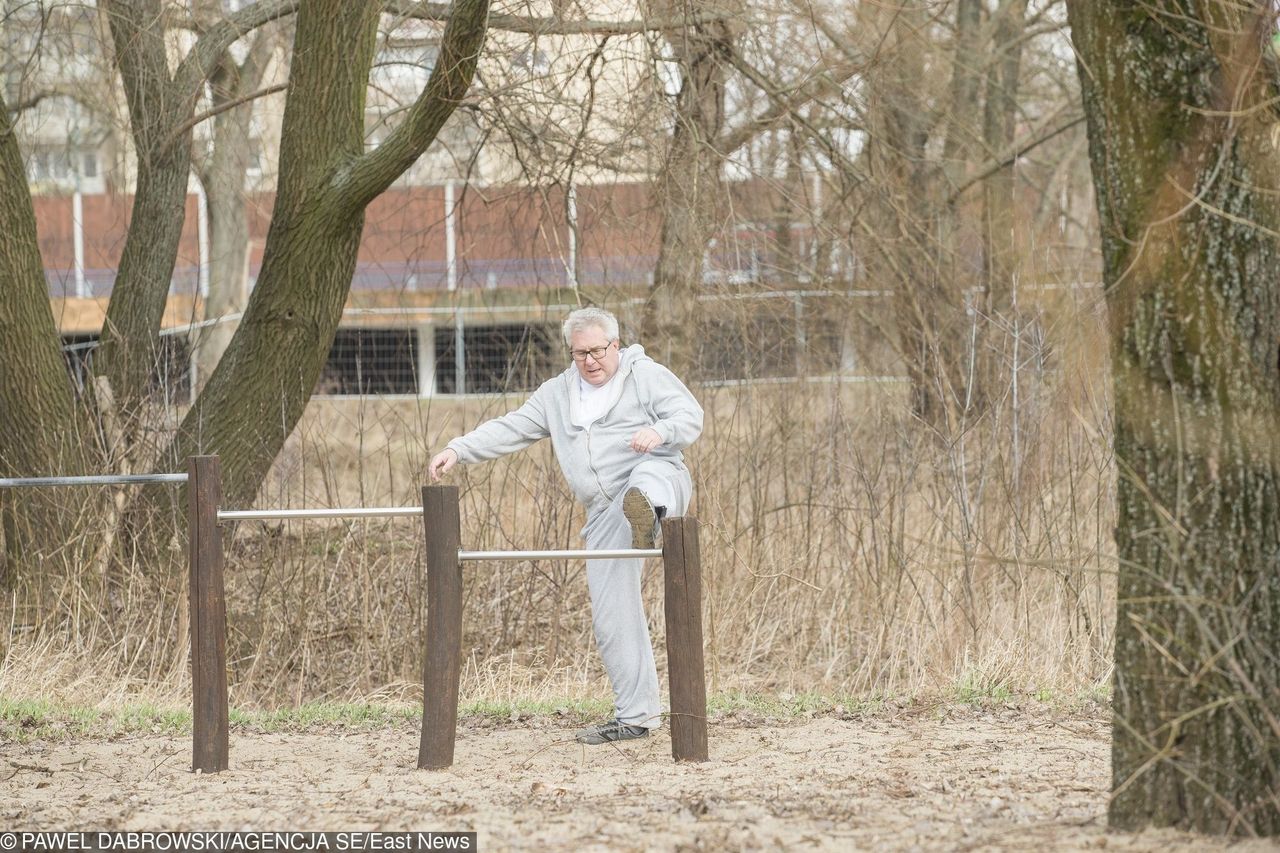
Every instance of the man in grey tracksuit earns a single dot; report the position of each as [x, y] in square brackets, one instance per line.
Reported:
[617, 421]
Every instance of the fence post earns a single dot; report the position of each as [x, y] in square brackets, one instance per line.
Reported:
[208, 616]
[682, 570]
[442, 667]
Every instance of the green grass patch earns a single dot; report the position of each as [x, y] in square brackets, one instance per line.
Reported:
[38, 719]
[1080, 701]
[1090, 698]
[350, 715]
[582, 709]
[25, 720]
[789, 705]
[976, 688]
[146, 718]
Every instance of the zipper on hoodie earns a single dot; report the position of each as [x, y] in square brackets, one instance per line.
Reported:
[591, 464]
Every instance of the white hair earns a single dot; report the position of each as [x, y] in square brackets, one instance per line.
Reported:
[584, 317]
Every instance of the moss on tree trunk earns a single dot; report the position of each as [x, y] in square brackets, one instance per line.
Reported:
[1185, 176]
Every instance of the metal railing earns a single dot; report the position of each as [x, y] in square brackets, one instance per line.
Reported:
[337, 512]
[602, 554]
[92, 480]
[414, 511]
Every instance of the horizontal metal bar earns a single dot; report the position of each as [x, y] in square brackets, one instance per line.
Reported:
[351, 512]
[93, 480]
[618, 554]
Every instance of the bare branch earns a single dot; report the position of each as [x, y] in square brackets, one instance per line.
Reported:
[549, 26]
[208, 49]
[1012, 154]
[787, 108]
[52, 91]
[446, 87]
[220, 108]
[786, 104]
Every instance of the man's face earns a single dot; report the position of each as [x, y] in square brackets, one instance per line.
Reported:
[596, 371]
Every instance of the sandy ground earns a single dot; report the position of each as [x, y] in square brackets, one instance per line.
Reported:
[956, 779]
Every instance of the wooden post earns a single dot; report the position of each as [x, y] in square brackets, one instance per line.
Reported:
[683, 572]
[442, 668]
[208, 616]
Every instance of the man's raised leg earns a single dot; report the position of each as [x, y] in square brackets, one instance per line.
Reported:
[617, 610]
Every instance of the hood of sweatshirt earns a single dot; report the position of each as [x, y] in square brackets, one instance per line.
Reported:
[628, 358]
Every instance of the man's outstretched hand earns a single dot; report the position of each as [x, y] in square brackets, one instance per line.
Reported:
[440, 463]
[645, 440]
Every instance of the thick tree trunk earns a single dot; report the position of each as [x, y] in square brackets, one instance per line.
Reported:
[41, 432]
[689, 187]
[1185, 176]
[39, 428]
[258, 392]
[161, 108]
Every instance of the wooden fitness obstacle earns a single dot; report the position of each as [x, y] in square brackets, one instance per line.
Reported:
[442, 668]
[442, 665]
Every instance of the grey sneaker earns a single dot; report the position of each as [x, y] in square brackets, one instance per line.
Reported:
[642, 516]
[606, 732]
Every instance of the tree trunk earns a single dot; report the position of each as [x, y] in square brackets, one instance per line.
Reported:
[999, 322]
[689, 187]
[909, 230]
[130, 344]
[39, 428]
[258, 392]
[965, 105]
[1000, 116]
[228, 264]
[223, 176]
[41, 431]
[256, 395]
[1180, 109]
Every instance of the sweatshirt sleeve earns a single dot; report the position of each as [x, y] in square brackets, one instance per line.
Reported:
[679, 414]
[506, 434]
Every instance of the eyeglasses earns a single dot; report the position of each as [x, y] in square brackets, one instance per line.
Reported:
[596, 353]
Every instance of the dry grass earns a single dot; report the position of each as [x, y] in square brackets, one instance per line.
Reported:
[846, 549]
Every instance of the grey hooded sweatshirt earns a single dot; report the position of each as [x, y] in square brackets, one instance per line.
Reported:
[596, 460]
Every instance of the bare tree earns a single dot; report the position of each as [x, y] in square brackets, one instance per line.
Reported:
[326, 180]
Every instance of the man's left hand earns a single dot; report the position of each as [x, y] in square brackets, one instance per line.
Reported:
[645, 440]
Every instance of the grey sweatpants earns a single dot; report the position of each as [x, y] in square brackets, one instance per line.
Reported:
[617, 612]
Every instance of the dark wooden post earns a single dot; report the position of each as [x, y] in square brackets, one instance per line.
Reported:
[443, 660]
[683, 572]
[208, 616]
